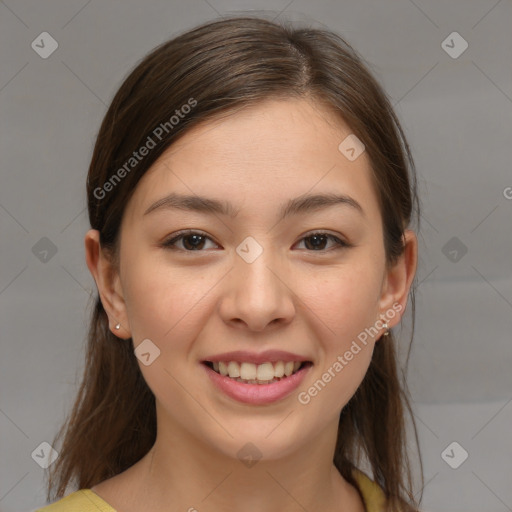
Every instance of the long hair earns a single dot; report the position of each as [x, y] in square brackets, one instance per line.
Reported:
[210, 71]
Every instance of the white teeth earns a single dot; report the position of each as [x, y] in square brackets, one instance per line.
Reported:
[247, 371]
[223, 368]
[265, 371]
[233, 369]
[279, 369]
[253, 373]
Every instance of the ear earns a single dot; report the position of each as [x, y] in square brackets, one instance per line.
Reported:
[398, 279]
[108, 283]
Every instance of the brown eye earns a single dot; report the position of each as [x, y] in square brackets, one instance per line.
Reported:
[318, 241]
[191, 241]
[195, 241]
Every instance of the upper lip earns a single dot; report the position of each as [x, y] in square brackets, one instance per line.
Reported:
[268, 356]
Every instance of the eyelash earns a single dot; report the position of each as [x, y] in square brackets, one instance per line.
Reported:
[169, 244]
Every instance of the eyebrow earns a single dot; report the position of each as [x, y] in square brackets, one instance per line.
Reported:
[299, 205]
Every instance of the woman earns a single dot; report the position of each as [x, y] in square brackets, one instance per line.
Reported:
[250, 196]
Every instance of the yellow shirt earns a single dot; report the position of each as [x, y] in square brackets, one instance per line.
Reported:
[86, 500]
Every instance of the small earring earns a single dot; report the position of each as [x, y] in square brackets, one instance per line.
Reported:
[118, 326]
[386, 326]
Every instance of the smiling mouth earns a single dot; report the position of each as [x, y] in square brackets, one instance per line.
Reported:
[250, 373]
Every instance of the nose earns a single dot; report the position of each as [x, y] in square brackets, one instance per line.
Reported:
[257, 295]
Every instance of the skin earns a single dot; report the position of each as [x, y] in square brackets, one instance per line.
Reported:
[292, 297]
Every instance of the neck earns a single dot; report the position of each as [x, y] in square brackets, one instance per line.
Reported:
[181, 472]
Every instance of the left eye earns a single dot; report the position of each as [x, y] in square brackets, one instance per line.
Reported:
[195, 241]
[318, 241]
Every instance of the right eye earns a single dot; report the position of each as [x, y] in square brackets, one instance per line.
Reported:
[191, 241]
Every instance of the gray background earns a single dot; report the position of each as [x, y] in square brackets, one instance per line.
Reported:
[456, 113]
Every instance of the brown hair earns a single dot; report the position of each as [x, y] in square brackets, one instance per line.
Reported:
[215, 69]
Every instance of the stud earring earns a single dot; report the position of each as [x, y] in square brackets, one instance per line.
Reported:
[118, 326]
[386, 326]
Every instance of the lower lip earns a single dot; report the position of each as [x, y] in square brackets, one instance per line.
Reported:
[257, 394]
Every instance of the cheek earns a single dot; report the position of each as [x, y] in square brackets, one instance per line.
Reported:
[163, 305]
[344, 305]
[344, 300]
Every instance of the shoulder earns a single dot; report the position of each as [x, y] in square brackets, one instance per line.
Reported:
[373, 495]
[83, 500]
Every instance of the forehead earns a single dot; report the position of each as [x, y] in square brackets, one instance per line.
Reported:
[261, 155]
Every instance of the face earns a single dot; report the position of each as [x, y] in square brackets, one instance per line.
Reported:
[312, 283]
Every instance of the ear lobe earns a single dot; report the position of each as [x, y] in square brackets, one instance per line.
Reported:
[399, 278]
[107, 282]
